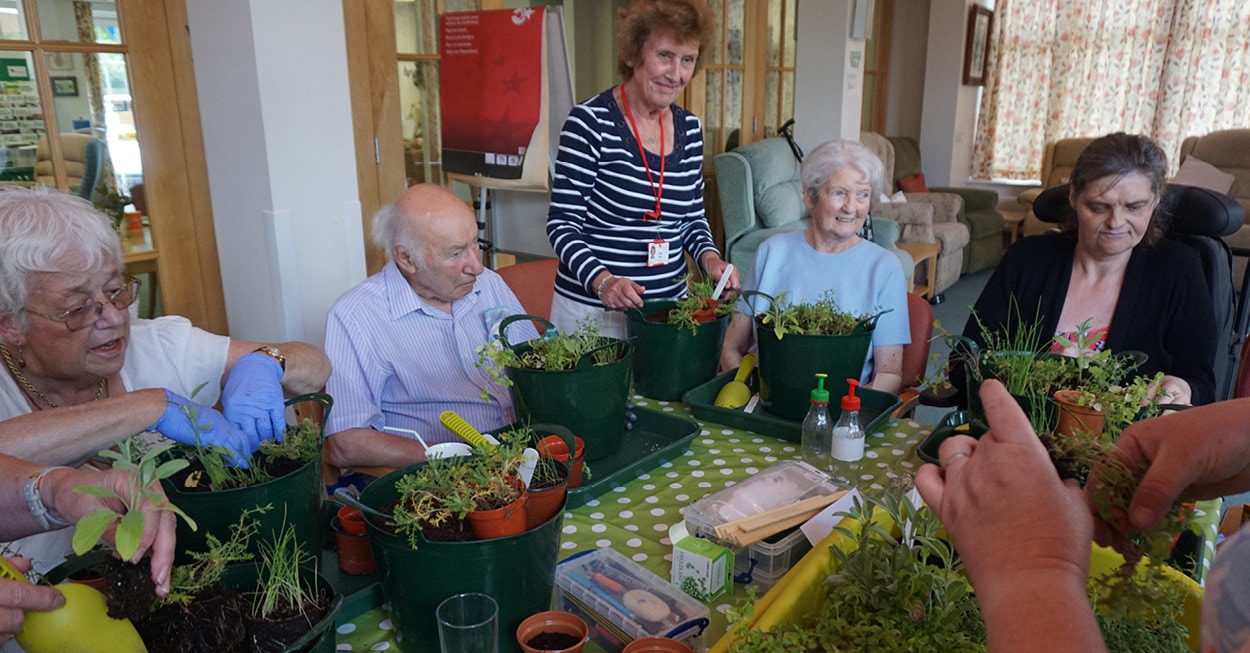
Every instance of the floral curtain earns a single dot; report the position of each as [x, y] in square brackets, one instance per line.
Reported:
[85, 26]
[1063, 69]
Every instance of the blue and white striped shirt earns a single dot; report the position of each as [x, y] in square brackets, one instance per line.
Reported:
[601, 192]
[400, 362]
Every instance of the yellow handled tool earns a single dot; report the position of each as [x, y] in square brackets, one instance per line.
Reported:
[457, 424]
[736, 394]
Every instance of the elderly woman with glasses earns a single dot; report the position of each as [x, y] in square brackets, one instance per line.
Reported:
[80, 373]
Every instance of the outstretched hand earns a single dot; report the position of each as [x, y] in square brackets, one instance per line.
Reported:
[1196, 454]
[209, 428]
[1002, 502]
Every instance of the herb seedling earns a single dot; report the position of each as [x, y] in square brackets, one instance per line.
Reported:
[146, 475]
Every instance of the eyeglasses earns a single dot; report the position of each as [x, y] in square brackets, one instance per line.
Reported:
[85, 315]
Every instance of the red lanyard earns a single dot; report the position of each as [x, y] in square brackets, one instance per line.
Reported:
[658, 192]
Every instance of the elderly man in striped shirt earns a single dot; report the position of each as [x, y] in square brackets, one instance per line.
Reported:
[404, 342]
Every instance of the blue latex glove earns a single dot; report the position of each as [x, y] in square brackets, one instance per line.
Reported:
[252, 399]
[211, 428]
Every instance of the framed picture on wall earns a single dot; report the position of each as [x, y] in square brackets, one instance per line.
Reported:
[60, 61]
[65, 86]
[976, 51]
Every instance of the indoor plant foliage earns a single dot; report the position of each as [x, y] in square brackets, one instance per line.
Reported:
[435, 499]
[820, 318]
[698, 307]
[145, 473]
[213, 472]
[891, 593]
[552, 352]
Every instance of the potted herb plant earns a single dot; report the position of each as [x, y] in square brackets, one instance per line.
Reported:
[579, 380]
[797, 341]
[286, 475]
[677, 342]
[876, 590]
[418, 571]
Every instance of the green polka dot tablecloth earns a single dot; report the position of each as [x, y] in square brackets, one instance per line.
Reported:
[634, 517]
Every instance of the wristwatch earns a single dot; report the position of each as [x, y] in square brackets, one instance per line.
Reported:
[272, 352]
[30, 491]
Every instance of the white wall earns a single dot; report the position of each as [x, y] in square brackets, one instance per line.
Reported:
[828, 75]
[947, 125]
[277, 126]
[908, 43]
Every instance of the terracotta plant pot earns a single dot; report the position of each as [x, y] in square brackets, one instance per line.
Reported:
[657, 645]
[564, 623]
[1073, 418]
[545, 502]
[501, 522]
[355, 556]
[554, 446]
[707, 314]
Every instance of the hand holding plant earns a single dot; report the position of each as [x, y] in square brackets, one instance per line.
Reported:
[187, 422]
[147, 518]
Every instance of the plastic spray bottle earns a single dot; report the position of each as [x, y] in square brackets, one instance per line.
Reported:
[817, 427]
[848, 438]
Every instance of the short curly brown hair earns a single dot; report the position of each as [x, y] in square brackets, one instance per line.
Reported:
[689, 21]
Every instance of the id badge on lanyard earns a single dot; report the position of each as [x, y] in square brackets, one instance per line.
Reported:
[657, 253]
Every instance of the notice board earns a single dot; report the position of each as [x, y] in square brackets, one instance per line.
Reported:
[505, 89]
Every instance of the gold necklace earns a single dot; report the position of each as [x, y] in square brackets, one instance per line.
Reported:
[101, 388]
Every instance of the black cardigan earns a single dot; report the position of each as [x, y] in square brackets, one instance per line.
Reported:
[1164, 308]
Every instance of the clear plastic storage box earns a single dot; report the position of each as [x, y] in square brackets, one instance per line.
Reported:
[780, 485]
[773, 557]
[622, 601]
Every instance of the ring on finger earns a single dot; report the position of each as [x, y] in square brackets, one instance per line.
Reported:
[951, 458]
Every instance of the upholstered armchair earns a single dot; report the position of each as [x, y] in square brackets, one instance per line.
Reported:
[1057, 162]
[944, 229]
[84, 156]
[1227, 150]
[980, 212]
[761, 195]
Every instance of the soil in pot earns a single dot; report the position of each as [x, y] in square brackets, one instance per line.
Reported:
[276, 467]
[552, 641]
[219, 621]
[452, 530]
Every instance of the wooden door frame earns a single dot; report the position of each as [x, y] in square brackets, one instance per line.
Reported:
[175, 172]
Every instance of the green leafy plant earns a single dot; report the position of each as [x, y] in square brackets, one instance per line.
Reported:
[902, 589]
[187, 581]
[300, 443]
[449, 488]
[146, 474]
[698, 298]
[822, 317]
[552, 353]
[280, 591]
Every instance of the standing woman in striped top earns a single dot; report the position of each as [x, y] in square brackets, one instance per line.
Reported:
[628, 196]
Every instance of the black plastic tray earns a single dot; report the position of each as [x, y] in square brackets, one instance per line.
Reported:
[656, 438]
[928, 447]
[875, 410]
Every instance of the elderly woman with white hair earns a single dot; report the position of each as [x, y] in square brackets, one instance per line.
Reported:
[80, 373]
[839, 180]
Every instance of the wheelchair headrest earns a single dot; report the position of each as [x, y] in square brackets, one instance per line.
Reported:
[1193, 211]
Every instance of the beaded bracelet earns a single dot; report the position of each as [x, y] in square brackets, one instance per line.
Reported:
[603, 284]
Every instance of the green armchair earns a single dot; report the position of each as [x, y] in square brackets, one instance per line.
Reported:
[980, 211]
[760, 196]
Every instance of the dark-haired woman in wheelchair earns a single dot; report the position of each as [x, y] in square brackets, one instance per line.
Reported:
[1110, 269]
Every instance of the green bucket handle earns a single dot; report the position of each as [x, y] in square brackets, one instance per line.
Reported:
[551, 328]
[511, 319]
[319, 397]
[746, 295]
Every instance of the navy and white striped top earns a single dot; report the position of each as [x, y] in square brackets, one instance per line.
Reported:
[601, 192]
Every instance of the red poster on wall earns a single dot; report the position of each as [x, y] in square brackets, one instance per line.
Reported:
[492, 83]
